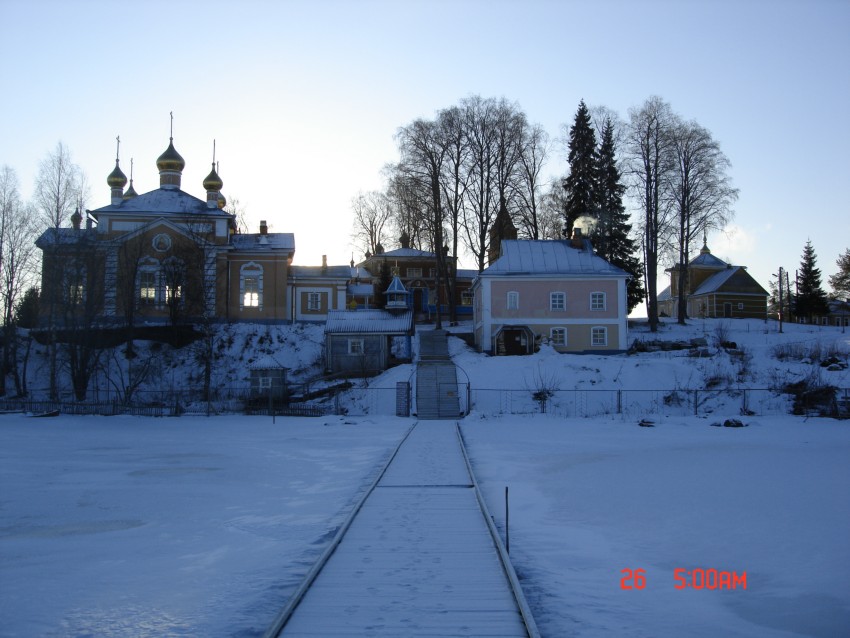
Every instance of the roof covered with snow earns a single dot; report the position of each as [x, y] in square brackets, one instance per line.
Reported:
[368, 322]
[707, 260]
[163, 201]
[407, 253]
[65, 236]
[524, 257]
[731, 279]
[267, 362]
[311, 272]
[257, 241]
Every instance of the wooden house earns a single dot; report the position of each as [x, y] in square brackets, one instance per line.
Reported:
[714, 289]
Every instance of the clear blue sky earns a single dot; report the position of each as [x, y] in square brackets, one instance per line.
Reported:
[304, 97]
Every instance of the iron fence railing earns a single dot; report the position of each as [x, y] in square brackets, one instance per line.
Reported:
[357, 398]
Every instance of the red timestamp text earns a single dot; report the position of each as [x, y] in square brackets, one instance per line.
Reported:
[697, 578]
[708, 579]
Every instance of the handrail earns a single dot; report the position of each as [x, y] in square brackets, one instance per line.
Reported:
[280, 622]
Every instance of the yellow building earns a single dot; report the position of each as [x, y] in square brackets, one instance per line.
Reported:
[167, 257]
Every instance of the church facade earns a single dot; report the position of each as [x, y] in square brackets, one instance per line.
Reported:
[166, 257]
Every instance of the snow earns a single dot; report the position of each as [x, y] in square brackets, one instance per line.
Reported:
[203, 526]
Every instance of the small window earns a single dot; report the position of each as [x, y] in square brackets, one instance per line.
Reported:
[740, 306]
[599, 336]
[251, 295]
[513, 301]
[597, 301]
[432, 273]
[414, 272]
[558, 336]
[824, 321]
[314, 301]
[558, 301]
[466, 298]
[355, 346]
[173, 293]
[265, 383]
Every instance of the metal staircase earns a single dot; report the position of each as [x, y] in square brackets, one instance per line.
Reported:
[436, 378]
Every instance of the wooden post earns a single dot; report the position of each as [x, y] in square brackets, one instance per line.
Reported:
[507, 523]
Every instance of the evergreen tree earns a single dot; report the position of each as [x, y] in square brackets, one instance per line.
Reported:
[810, 299]
[610, 236]
[582, 182]
[840, 281]
[26, 311]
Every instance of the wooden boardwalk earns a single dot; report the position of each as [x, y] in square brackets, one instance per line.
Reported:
[419, 558]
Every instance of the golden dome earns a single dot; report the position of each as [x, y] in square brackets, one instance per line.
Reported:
[131, 192]
[212, 182]
[116, 179]
[221, 201]
[170, 160]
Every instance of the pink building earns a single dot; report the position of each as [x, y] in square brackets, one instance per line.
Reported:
[555, 292]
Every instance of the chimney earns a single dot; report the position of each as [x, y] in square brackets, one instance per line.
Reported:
[324, 263]
[578, 239]
[264, 229]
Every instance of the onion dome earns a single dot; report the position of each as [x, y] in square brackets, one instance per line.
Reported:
[131, 192]
[170, 160]
[76, 218]
[221, 201]
[212, 182]
[117, 178]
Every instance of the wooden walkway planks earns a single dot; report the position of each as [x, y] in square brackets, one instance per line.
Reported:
[418, 559]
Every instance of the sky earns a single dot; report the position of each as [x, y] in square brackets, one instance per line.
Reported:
[303, 98]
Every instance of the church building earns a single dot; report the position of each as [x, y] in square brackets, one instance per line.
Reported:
[167, 257]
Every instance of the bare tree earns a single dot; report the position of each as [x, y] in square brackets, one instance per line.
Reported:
[56, 193]
[57, 187]
[535, 149]
[453, 182]
[648, 165]
[700, 193]
[372, 212]
[423, 152]
[481, 204]
[409, 211]
[17, 262]
[82, 294]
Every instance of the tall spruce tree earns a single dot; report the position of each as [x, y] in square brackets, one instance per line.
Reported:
[611, 235]
[840, 281]
[810, 299]
[582, 182]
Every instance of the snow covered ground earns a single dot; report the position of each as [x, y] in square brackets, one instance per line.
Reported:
[202, 527]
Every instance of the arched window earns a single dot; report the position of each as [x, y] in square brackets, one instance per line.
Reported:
[251, 286]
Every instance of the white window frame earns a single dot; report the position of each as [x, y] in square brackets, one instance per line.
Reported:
[265, 383]
[314, 301]
[251, 293]
[413, 272]
[594, 301]
[561, 304]
[740, 305]
[552, 339]
[356, 346]
[512, 301]
[251, 270]
[598, 330]
[467, 297]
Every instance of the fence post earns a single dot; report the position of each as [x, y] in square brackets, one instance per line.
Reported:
[696, 402]
[619, 401]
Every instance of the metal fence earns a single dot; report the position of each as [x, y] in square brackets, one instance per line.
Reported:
[361, 399]
[637, 403]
